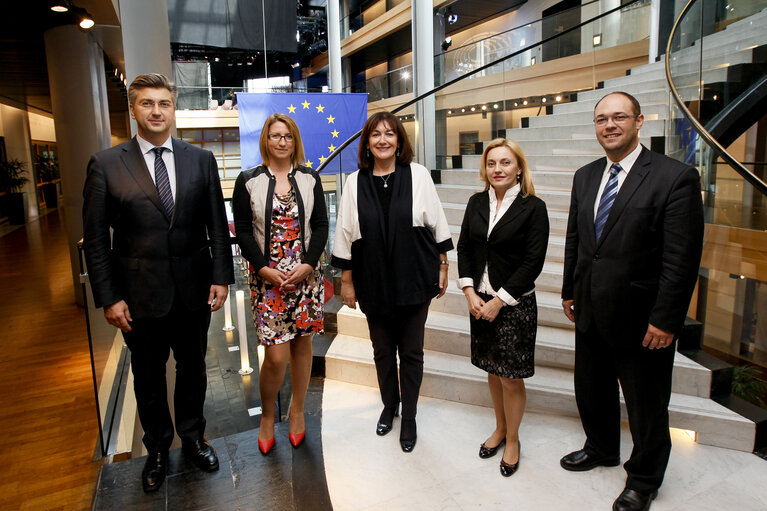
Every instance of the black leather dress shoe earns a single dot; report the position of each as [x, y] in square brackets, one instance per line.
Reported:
[155, 468]
[632, 500]
[202, 454]
[385, 420]
[489, 452]
[508, 469]
[407, 435]
[580, 461]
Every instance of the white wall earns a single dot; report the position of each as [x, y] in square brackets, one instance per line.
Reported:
[42, 128]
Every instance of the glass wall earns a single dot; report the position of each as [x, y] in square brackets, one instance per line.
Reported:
[224, 143]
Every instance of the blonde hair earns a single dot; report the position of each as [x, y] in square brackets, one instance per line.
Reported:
[298, 157]
[526, 179]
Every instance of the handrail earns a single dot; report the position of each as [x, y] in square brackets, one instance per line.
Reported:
[475, 71]
[746, 174]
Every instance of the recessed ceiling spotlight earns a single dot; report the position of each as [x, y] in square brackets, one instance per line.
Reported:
[543, 100]
[449, 112]
[463, 109]
[495, 105]
[473, 108]
[515, 104]
[60, 6]
[524, 102]
[559, 98]
[484, 107]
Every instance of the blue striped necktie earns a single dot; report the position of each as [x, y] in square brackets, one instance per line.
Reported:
[608, 197]
[161, 180]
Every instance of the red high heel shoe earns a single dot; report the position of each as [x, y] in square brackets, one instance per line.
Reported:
[296, 438]
[266, 446]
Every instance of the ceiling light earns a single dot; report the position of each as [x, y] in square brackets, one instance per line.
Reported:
[85, 20]
[446, 43]
[524, 102]
[495, 105]
[515, 104]
[532, 61]
[559, 98]
[597, 40]
[484, 107]
[60, 6]
[452, 18]
[473, 108]
[405, 74]
[463, 109]
[543, 100]
[449, 112]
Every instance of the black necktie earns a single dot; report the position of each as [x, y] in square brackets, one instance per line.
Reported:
[161, 180]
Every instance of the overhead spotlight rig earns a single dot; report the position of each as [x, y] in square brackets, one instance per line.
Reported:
[77, 14]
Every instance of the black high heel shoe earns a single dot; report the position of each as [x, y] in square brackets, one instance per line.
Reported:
[386, 419]
[407, 435]
[489, 452]
[508, 469]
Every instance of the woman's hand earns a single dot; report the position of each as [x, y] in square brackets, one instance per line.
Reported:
[296, 275]
[272, 276]
[490, 309]
[442, 280]
[475, 302]
[348, 296]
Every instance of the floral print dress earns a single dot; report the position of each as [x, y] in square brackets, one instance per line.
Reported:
[281, 316]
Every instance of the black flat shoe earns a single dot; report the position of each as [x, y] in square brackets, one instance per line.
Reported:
[155, 468]
[489, 452]
[632, 500]
[202, 454]
[580, 461]
[508, 469]
[407, 435]
[385, 420]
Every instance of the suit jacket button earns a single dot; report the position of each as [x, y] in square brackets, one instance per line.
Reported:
[596, 257]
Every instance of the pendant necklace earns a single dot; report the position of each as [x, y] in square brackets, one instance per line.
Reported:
[385, 179]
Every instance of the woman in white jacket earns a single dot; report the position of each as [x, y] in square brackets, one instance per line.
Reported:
[391, 244]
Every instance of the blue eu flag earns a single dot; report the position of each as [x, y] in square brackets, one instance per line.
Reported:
[325, 120]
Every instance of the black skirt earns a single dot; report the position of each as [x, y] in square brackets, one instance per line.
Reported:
[506, 346]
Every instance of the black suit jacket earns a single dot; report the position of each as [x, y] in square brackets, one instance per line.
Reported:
[151, 257]
[515, 250]
[644, 267]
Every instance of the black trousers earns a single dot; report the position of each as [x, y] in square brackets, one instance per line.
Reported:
[399, 330]
[186, 333]
[645, 378]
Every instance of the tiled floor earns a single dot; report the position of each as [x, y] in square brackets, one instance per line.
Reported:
[367, 472]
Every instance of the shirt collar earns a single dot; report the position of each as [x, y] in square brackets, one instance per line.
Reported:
[508, 197]
[627, 162]
[147, 146]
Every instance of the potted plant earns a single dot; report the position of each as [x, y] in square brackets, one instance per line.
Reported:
[13, 177]
[48, 173]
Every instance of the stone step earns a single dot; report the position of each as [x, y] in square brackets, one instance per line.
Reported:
[644, 96]
[555, 199]
[452, 377]
[659, 110]
[682, 65]
[554, 347]
[550, 278]
[651, 128]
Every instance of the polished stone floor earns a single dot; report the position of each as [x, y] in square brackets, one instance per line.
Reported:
[367, 472]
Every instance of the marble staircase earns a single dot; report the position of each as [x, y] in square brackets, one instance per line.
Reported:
[555, 146]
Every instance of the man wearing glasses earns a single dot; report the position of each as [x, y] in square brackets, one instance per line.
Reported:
[634, 242]
[163, 270]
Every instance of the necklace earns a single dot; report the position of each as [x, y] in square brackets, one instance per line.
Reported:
[385, 179]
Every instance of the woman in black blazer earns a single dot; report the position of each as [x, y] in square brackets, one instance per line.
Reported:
[501, 250]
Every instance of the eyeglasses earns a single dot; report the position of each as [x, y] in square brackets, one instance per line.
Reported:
[276, 137]
[617, 119]
[149, 104]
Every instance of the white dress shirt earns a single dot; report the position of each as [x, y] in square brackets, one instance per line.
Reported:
[167, 157]
[626, 164]
[496, 213]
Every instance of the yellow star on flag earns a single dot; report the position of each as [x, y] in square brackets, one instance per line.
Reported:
[331, 148]
[292, 109]
[334, 133]
[305, 104]
[331, 119]
[309, 164]
[322, 159]
[320, 109]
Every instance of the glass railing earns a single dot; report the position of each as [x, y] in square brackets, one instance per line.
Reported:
[625, 25]
[366, 13]
[225, 98]
[716, 70]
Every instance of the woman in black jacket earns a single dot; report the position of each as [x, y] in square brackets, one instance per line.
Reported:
[501, 250]
[282, 226]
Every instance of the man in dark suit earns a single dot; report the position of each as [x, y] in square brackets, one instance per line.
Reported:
[634, 241]
[165, 268]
